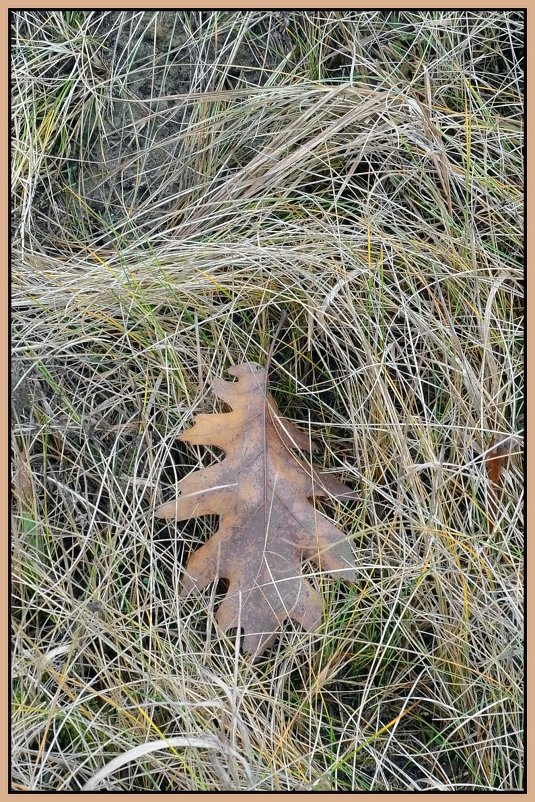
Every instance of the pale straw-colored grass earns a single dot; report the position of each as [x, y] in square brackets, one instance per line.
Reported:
[179, 181]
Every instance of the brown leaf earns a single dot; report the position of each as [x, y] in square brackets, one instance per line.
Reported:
[496, 461]
[268, 525]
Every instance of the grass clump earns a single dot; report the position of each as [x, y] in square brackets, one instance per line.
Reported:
[178, 179]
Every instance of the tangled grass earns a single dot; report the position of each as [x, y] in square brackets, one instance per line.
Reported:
[178, 180]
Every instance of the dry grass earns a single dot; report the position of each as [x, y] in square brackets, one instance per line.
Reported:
[178, 180]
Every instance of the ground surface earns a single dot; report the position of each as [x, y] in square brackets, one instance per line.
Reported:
[179, 180]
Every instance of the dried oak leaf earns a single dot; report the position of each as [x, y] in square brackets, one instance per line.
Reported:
[261, 491]
[496, 461]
